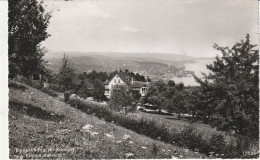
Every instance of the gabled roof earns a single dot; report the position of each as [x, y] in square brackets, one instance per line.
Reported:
[139, 84]
[123, 76]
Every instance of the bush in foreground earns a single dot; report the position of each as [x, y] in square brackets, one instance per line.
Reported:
[188, 137]
[49, 92]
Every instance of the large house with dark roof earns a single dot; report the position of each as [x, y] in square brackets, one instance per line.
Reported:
[123, 78]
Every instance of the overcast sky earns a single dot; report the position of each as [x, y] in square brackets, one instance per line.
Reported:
[165, 26]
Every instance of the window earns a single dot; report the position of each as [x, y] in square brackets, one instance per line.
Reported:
[114, 80]
[118, 80]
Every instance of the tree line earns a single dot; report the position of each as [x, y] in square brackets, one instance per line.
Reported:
[84, 84]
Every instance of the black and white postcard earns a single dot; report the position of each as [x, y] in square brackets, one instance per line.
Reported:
[130, 79]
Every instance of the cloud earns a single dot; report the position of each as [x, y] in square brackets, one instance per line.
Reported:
[128, 28]
[77, 8]
[95, 11]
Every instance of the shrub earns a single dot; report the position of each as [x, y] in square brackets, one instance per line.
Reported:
[188, 137]
[66, 96]
[36, 84]
[155, 149]
[231, 149]
[56, 87]
[49, 92]
[217, 143]
[16, 85]
[74, 102]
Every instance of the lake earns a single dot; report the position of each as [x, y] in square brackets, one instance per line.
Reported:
[198, 67]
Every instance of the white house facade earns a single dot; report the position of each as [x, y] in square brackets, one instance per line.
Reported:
[143, 90]
[116, 80]
[125, 79]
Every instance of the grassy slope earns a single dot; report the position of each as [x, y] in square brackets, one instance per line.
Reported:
[38, 120]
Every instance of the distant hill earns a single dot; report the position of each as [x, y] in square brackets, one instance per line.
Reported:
[151, 64]
[153, 57]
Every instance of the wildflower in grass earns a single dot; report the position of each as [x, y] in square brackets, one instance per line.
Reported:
[169, 150]
[129, 155]
[163, 150]
[131, 142]
[126, 136]
[143, 147]
[109, 135]
[94, 133]
[186, 150]
[181, 156]
[87, 127]
[118, 141]
[52, 114]
[173, 157]
[159, 137]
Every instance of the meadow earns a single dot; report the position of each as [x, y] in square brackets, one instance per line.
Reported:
[41, 126]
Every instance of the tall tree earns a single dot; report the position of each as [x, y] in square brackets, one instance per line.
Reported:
[171, 83]
[231, 89]
[177, 103]
[86, 89]
[136, 95]
[67, 76]
[99, 90]
[121, 99]
[179, 86]
[27, 27]
[155, 95]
